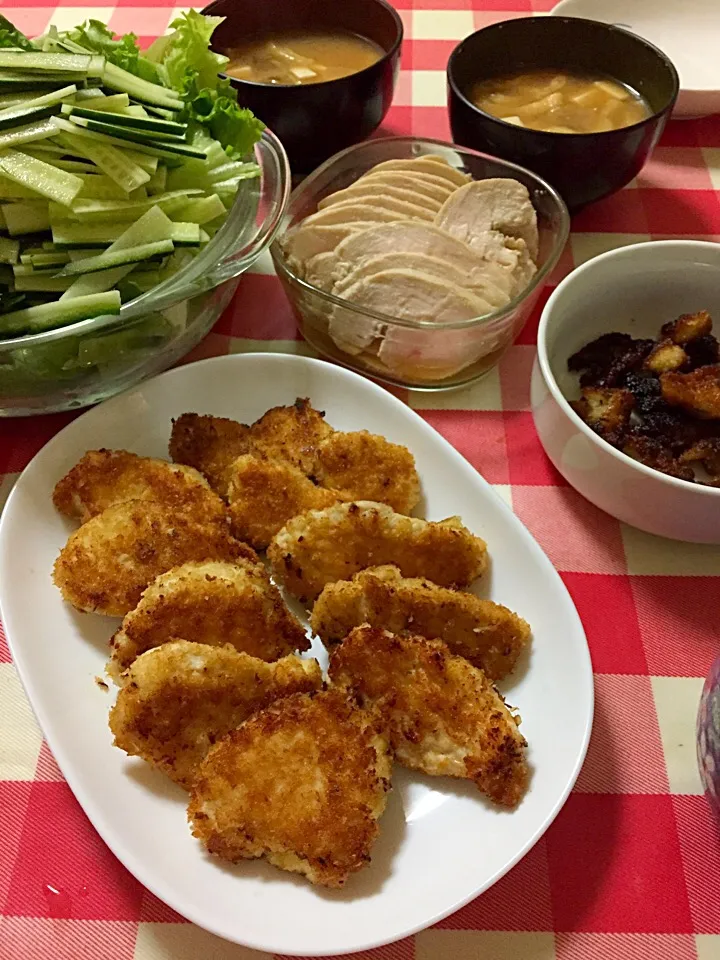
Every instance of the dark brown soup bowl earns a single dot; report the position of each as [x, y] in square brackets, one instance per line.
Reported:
[583, 167]
[315, 120]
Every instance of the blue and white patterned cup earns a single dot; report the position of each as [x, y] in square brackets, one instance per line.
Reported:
[708, 737]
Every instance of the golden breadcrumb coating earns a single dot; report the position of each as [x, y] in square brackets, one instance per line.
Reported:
[697, 392]
[210, 444]
[487, 634]
[213, 603]
[291, 433]
[108, 562]
[444, 715]
[264, 494]
[322, 546]
[689, 326]
[301, 783]
[106, 477]
[179, 699]
[368, 467]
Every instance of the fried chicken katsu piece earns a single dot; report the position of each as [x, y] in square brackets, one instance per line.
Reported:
[106, 477]
[213, 603]
[291, 433]
[607, 360]
[487, 634]
[209, 444]
[181, 698]
[302, 783]
[707, 452]
[697, 392]
[264, 494]
[606, 410]
[689, 326]
[365, 466]
[108, 562]
[665, 356]
[445, 717]
[322, 546]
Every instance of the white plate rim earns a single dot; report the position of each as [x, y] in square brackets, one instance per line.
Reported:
[97, 817]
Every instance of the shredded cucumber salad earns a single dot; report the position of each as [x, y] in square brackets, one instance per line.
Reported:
[116, 167]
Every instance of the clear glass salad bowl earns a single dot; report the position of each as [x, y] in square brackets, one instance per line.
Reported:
[81, 364]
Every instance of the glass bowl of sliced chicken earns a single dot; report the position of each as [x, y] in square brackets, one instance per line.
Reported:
[418, 262]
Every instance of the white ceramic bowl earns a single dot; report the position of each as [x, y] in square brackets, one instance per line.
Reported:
[634, 290]
[686, 30]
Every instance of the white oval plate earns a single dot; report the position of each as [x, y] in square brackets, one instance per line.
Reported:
[440, 843]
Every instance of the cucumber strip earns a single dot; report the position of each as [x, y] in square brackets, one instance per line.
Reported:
[117, 101]
[78, 253]
[52, 62]
[9, 250]
[102, 187]
[41, 283]
[60, 313]
[202, 210]
[24, 218]
[46, 99]
[113, 162]
[69, 233]
[91, 211]
[152, 153]
[117, 258]
[120, 80]
[9, 190]
[39, 260]
[40, 176]
[42, 130]
[13, 99]
[47, 146]
[236, 169]
[149, 125]
[173, 142]
[151, 227]
[161, 112]
[157, 182]
[71, 166]
[21, 116]
[186, 234]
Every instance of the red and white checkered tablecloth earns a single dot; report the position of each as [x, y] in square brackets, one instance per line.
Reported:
[631, 868]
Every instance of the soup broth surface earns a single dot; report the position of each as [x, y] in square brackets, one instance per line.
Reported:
[293, 58]
[559, 102]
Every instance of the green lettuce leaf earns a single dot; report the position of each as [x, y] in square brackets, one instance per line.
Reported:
[10, 36]
[188, 49]
[237, 128]
[125, 53]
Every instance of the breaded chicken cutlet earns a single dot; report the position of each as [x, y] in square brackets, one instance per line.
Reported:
[487, 634]
[697, 392]
[444, 716]
[104, 478]
[209, 444]
[181, 698]
[108, 562]
[302, 783]
[264, 494]
[357, 465]
[322, 546]
[213, 603]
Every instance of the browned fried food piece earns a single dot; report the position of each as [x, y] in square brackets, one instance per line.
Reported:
[213, 603]
[606, 410]
[687, 327]
[365, 466]
[444, 715]
[291, 433]
[703, 351]
[487, 634]
[697, 392]
[322, 546]
[106, 477]
[653, 453]
[706, 452]
[210, 444]
[108, 562]
[181, 698]
[302, 784]
[665, 356]
[607, 360]
[264, 494]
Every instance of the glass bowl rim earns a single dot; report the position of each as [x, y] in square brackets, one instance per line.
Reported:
[501, 312]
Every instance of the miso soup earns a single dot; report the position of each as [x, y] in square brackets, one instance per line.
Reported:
[294, 58]
[560, 102]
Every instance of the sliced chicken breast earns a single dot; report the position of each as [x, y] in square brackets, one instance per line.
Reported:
[371, 192]
[435, 165]
[304, 242]
[430, 185]
[495, 204]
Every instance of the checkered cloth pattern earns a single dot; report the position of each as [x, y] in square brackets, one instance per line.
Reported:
[630, 870]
